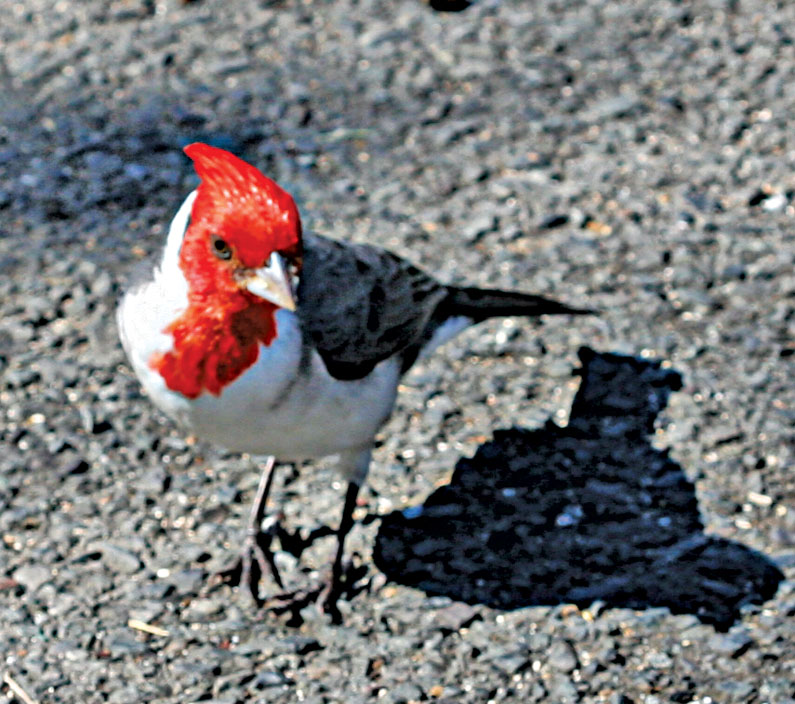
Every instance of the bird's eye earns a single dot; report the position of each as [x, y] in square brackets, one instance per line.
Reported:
[220, 248]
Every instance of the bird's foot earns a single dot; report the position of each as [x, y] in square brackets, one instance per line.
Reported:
[256, 559]
[349, 582]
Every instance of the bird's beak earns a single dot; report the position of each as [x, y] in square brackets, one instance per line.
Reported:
[272, 283]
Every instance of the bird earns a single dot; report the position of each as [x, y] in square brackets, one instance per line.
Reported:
[262, 338]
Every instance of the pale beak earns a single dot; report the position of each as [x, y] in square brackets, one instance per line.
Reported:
[272, 283]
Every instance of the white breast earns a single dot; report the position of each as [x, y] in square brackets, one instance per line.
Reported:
[282, 405]
[293, 408]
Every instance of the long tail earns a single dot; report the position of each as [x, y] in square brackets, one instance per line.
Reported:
[481, 303]
[463, 307]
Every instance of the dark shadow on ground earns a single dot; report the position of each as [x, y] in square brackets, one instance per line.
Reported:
[587, 512]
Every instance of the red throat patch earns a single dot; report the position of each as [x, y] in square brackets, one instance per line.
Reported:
[209, 352]
[218, 335]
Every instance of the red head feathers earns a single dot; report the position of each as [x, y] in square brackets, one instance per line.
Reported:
[256, 215]
[239, 219]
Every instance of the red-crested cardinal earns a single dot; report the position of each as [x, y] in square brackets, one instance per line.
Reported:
[265, 340]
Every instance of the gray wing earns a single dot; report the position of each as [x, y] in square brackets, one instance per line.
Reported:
[359, 305]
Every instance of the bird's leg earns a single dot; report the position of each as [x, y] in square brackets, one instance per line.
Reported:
[342, 577]
[339, 581]
[336, 584]
[256, 558]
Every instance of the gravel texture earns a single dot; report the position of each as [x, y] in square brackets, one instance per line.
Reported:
[625, 534]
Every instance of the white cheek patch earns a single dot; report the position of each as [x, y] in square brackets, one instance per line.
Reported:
[170, 276]
[176, 233]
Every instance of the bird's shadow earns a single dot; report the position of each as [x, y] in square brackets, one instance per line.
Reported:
[572, 515]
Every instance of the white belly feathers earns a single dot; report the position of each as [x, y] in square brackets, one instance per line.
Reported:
[291, 407]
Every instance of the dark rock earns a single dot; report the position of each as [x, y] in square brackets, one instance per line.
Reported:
[552, 221]
[32, 576]
[561, 656]
[733, 644]
[118, 559]
[456, 616]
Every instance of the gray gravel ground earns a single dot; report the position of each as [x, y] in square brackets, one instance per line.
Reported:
[635, 157]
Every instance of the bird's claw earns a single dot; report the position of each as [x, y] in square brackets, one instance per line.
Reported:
[347, 584]
[256, 559]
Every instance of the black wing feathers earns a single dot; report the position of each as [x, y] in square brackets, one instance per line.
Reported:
[360, 305]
